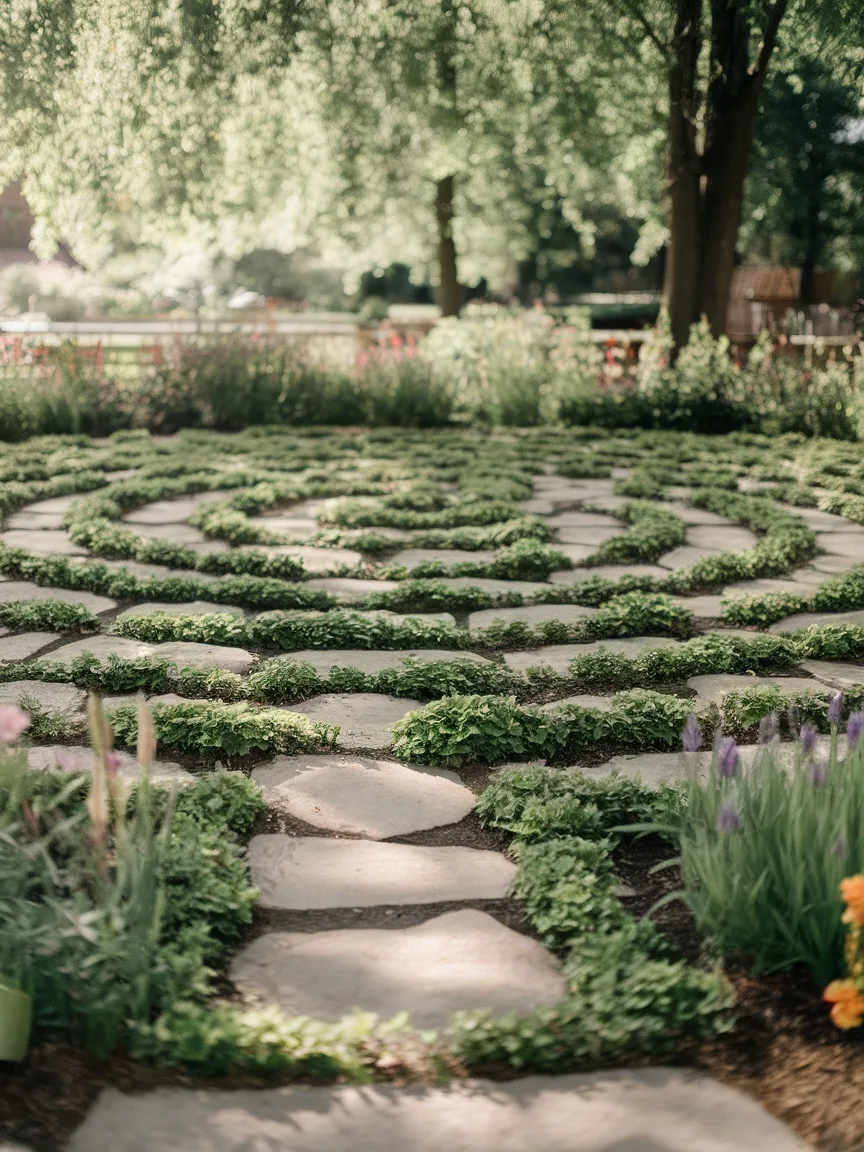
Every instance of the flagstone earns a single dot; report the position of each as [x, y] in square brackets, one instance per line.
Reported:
[35, 521]
[46, 542]
[309, 872]
[55, 699]
[623, 1110]
[364, 718]
[833, 565]
[25, 644]
[705, 606]
[362, 796]
[184, 608]
[690, 515]
[607, 572]
[315, 560]
[165, 512]
[588, 536]
[183, 534]
[372, 661]
[531, 614]
[818, 520]
[348, 590]
[817, 620]
[835, 674]
[413, 557]
[494, 587]
[180, 654]
[686, 556]
[73, 758]
[557, 657]
[731, 538]
[24, 590]
[849, 543]
[716, 686]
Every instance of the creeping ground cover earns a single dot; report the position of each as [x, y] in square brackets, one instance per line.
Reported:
[379, 755]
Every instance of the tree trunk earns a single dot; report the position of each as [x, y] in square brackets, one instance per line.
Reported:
[681, 275]
[449, 288]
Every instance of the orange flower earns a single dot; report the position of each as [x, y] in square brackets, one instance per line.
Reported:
[848, 1010]
[852, 894]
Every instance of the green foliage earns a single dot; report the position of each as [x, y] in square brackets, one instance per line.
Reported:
[47, 615]
[743, 839]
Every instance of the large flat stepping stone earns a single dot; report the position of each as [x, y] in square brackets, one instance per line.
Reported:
[537, 506]
[817, 620]
[25, 590]
[706, 606]
[686, 556]
[24, 645]
[557, 657]
[627, 1110]
[163, 512]
[607, 572]
[584, 520]
[818, 520]
[308, 872]
[54, 505]
[655, 768]
[183, 534]
[412, 557]
[178, 653]
[804, 584]
[492, 586]
[316, 560]
[696, 516]
[158, 571]
[189, 608]
[531, 614]
[349, 591]
[591, 537]
[371, 662]
[716, 686]
[849, 544]
[70, 758]
[286, 525]
[33, 521]
[373, 798]
[844, 677]
[722, 539]
[364, 718]
[833, 565]
[45, 542]
[456, 962]
[55, 699]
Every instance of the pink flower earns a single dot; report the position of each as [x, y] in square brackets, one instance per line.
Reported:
[12, 723]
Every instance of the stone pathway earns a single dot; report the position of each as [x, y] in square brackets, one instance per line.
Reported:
[377, 890]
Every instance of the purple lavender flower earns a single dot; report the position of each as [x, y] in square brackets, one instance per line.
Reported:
[808, 739]
[835, 708]
[792, 718]
[727, 757]
[692, 734]
[839, 847]
[728, 819]
[854, 728]
[768, 727]
[816, 774]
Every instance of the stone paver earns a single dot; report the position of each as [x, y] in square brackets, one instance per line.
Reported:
[412, 557]
[33, 521]
[69, 758]
[722, 539]
[686, 556]
[599, 703]
[373, 798]
[589, 537]
[558, 656]
[849, 543]
[189, 608]
[833, 565]
[537, 506]
[24, 590]
[159, 571]
[459, 961]
[371, 661]
[286, 525]
[47, 542]
[845, 677]
[179, 653]
[493, 587]
[56, 699]
[530, 614]
[364, 718]
[308, 872]
[349, 591]
[576, 553]
[804, 585]
[316, 560]
[183, 534]
[24, 645]
[818, 520]
[696, 515]
[715, 686]
[817, 619]
[584, 520]
[55, 505]
[628, 1110]
[704, 606]
[163, 512]
[607, 572]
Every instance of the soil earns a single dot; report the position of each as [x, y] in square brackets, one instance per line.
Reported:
[783, 1051]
